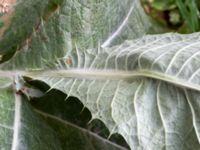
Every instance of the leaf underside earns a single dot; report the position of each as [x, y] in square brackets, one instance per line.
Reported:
[143, 89]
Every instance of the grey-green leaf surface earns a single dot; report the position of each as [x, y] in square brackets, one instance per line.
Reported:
[20, 127]
[76, 138]
[147, 90]
[22, 23]
[46, 44]
[55, 27]
[41, 35]
[104, 22]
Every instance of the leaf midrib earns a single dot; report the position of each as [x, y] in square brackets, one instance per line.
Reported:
[113, 75]
[104, 75]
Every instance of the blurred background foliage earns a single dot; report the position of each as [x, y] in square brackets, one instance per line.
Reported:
[181, 16]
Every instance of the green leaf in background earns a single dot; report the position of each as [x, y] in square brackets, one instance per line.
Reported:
[190, 13]
[22, 25]
[20, 127]
[48, 43]
[64, 116]
[163, 4]
[75, 138]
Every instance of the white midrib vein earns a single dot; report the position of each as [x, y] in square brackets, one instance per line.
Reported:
[106, 75]
[16, 122]
[112, 75]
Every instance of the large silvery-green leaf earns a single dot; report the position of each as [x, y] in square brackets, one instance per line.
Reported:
[38, 32]
[147, 90]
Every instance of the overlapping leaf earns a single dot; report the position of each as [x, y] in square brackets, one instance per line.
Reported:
[20, 25]
[72, 115]
[20, 127]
